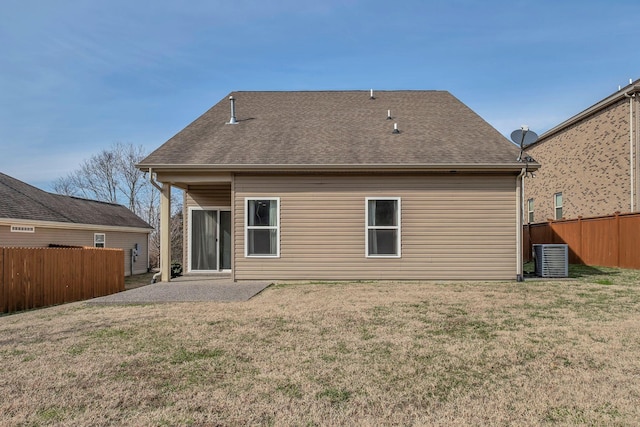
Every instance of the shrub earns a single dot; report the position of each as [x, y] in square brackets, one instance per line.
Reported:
[176, 269]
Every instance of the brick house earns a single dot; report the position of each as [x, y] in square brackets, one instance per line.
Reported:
[589, 163]
[342, 185]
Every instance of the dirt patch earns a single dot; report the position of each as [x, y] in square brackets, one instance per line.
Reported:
[138, 280]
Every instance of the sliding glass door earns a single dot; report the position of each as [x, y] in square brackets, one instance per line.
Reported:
[210, 240]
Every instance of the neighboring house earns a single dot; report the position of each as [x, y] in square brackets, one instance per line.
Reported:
[343, 185]
[30, 217]
[590, 163]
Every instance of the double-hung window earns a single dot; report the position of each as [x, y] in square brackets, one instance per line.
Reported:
[262, 227]
[382, 236]
[99, 240]
[530, 210]
[557, 203]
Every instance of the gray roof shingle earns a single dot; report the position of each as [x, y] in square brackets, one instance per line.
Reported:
[332, 128]
[19, 200]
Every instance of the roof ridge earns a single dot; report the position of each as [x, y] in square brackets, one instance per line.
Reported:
[86, 199]
[338, 90]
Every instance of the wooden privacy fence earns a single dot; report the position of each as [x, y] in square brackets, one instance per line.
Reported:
[609, 241]
[40, 277]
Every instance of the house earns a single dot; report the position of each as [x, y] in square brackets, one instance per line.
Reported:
[30, 217]
[590, 163]
[337, 185]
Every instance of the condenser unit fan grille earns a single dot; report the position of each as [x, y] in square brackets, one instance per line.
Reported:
[551, 260]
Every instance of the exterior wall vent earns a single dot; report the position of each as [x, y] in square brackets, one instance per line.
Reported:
[23, 229]
[551, 260]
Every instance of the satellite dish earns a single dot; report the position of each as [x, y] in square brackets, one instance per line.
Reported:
[523, 136]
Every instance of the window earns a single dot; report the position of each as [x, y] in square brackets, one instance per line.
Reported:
[262, 227]
[557, 202]
[382, 237]
[530, 210]
[99, 240]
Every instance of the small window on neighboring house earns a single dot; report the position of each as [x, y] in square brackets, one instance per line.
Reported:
[262, 227]
[530, 210]
[99, 240]
[557, 201]
[382, 227]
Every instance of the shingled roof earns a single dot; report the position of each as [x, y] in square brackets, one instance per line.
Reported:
[334, 128]
[21, 201]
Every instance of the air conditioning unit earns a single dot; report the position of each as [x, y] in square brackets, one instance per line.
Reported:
[551, 260]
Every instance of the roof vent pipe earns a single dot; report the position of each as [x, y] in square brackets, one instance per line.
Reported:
[233, 120]
[395, 128]
[371, 95]
[389, 115]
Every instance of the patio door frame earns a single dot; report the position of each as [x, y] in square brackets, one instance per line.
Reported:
[218, 211]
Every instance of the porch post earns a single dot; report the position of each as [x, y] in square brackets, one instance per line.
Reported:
[165, 232]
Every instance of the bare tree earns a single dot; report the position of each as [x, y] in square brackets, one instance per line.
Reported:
[176, 232]
[111, 176]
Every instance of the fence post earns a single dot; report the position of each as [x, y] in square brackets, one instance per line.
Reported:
[580, 234]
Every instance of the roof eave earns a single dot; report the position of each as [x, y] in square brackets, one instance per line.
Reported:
[610, 100]
[74, 225]
[405, 167]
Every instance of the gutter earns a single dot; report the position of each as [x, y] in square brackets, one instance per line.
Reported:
[74, 225]
[435, 167]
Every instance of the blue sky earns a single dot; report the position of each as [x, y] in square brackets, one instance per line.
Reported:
[77, 75]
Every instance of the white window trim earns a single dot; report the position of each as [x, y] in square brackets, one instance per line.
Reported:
[104, 239]
[261, 227]
[367, 227]
[555, 206]
[530, 210]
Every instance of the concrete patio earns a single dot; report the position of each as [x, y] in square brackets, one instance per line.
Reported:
[191, 288]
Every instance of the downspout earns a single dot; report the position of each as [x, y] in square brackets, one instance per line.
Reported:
[154, 279]
[631, 162]
[519, 223]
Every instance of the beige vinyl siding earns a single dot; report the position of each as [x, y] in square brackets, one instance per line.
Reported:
[453, 227]
[43, 237]
[206, 196]
[209, 196]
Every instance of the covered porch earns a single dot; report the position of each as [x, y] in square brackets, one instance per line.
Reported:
[207, 215]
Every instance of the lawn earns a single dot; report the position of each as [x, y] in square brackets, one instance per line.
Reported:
[542, 352]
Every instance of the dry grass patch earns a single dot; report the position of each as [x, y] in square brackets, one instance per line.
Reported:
[539, 352]
[137, 280]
